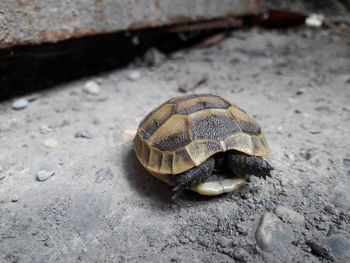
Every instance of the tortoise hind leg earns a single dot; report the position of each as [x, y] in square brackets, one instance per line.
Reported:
[193, 177]
[242, 165]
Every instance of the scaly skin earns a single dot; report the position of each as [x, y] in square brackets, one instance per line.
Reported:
[240, 164]
[193, 177]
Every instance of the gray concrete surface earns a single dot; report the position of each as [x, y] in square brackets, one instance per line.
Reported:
[338, 8]
[100, 205]
[35, 22]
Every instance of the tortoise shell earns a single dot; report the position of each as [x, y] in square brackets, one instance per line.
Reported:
[185, 131]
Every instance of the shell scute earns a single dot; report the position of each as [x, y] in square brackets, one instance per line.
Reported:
[185, 131]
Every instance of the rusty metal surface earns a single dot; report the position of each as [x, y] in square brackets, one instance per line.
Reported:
[37, 21]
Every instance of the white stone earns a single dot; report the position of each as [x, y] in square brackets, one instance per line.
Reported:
[91, 87]
[43, 175]
[20, 104]
[314, 20]
[134, 75]
[50, 143]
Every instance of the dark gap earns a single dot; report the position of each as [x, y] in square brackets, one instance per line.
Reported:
[30, 68]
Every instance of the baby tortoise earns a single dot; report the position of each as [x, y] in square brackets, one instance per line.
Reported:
[203, 143]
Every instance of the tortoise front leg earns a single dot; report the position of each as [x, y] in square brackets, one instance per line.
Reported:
[193, 177]
[242, 165]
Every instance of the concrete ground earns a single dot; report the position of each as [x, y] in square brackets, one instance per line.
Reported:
[100, 205]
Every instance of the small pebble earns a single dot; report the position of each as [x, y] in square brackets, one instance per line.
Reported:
[96, 122]
[15, 198]
[241, 228]
[182, 89]
[346, 163]
[83, 134]
[331, 209]
[104, 174]
[284, 181]
[289, 214]
[324, 109]
[43, 175]
[20, 104]
[134, 75]
[91, 87]
[50, 143]
[322, 226]
[45, 129]
[319, 251]
[153, 57]
[183, 241]
[241, 254]
[225, 242]
[340, 246]
[315, 132]
[290, 156]
[204, 243]
[341, 198]
[314, 20]
[192, 238]
[322, 218]
[331, 230]
[272, 233]
[306, 191]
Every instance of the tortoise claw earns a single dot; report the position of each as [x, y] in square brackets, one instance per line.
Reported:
[178, 192]
[178, 187]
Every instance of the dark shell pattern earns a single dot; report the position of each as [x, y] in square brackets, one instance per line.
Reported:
[185, 131]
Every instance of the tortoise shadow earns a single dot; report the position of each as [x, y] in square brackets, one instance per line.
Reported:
[141, 181]
[150, 187]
